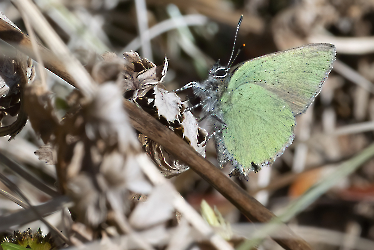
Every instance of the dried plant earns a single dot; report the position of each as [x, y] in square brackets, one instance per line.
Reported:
[106, 147]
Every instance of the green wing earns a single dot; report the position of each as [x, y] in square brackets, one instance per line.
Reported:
[259, 126]
[295, 75]
[263, 97]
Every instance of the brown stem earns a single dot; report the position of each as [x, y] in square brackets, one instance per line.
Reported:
[22, 42]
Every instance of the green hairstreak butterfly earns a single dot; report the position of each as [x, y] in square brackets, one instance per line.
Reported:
[253, 105]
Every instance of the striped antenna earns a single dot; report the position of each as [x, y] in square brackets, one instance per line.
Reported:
[236, 35]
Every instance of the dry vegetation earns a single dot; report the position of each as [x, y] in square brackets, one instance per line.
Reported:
[97, 177]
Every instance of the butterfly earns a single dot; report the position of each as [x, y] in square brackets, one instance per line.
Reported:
[253, 105]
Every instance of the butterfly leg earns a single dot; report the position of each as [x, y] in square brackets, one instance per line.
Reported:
[214, 116]
[215, 132]
[187, 86]
[217, 129]
[203, 97]
[210, 136]
[194, 106]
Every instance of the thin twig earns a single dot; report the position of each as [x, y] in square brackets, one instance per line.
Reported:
[353, 76]
[11, 197]
[46, 32]
[17, 168]
[28, 215]
[347, 45]
[165, 26]
[22, 42]
[35, 47]
[142, 17]
[15, 189]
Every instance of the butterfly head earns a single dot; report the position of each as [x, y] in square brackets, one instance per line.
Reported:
[221, 72]
[218, 71]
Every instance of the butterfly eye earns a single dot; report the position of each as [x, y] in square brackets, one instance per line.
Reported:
[220, 72]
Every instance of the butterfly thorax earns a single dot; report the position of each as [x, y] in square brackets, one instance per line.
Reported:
[211, 90]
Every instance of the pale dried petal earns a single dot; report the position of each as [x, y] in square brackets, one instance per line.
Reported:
[47, 154]
[157, 236]
[167, 103]
[91, 208]
[192, 132]
[158, 208]
[181, 237]
[135, 179]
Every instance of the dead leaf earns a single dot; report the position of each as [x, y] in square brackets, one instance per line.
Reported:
[47, 154]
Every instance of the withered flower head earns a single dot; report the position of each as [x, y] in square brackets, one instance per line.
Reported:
[143, 85]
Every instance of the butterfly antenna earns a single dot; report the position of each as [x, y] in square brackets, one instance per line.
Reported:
[236, 35]
[237, 53]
